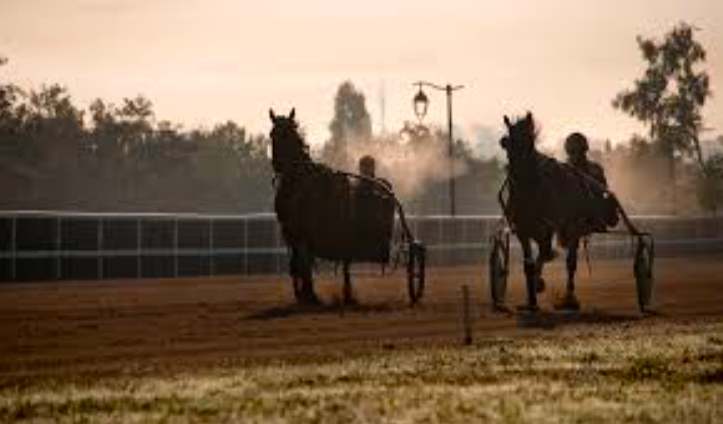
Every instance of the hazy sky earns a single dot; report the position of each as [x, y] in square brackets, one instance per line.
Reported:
[203, 62]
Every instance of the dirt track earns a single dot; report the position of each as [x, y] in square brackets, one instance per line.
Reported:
[70, 329]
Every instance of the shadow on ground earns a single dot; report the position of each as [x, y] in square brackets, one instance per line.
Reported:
[553, 319]
[331, 308]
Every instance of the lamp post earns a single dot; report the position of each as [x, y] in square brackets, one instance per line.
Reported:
[421, 105]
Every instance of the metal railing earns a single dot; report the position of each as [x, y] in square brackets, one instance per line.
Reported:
[49, 245]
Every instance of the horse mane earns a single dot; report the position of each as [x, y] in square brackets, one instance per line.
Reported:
[300, 138]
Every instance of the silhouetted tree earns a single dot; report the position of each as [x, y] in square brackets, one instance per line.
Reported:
[351, 124]
[710, 184]
[10, 114]
[122, 159]
[8, 95]
[670, 95]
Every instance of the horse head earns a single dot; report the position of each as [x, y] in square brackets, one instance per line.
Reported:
[287, 144]
[520, 139]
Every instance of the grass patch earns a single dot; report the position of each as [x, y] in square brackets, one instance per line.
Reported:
[612, 374]
[647, 368]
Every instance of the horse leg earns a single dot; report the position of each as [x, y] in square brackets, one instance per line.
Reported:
[539, 280]
[545, 254]
[530, 274]
[348, 292]
[295, 272]
[570, 301]
[307, 276]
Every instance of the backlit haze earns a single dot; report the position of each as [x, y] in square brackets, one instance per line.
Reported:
[203, 62]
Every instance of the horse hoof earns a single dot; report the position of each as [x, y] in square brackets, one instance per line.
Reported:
[649, 312]
[500, 307]
[310, 299]
[568, 303]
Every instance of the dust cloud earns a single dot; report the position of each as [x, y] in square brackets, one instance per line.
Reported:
[410, 164]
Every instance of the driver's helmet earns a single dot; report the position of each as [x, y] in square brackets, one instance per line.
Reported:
[576, 145]
[367, 166]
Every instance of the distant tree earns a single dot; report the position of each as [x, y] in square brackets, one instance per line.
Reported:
[136, 118]
[105, 131]
[122, 159]
[231, 169]
[351, 124]
[669, 96]
[710, 186]
[53, 127]
[10, 95]
[710, 182]
[6, 96]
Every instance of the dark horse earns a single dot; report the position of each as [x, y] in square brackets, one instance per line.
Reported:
[548, 198]
[324, 213]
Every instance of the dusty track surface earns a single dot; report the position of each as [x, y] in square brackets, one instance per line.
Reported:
[65, 330]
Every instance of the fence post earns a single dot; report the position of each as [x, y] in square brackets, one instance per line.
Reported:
[467, 315]
[13, 249]
[246, 245]
[100, 249]
[175, 247]
[58, 247]
[212, 253]
[440, 233]
[139, 240]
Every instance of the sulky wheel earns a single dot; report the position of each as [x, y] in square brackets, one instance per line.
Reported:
[643, 269]
[416, 262]
[498, 270]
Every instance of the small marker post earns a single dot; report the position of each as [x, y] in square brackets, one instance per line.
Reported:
[466, 315]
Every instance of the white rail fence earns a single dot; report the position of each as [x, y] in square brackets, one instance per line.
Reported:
[48, 245]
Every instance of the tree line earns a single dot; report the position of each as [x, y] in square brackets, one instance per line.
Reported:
[110, 157]
[121, 157]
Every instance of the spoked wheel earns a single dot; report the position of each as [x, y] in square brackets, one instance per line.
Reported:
[643, 269]
[499, 261]
[416, 262]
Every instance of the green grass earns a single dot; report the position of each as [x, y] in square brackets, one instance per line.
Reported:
[652, 373]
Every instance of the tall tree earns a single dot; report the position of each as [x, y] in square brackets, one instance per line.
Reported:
[6, 96]
[53, 128]
[351, 123]
[9, 113]
[669, 96]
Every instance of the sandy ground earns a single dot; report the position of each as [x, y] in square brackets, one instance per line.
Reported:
[67, 330]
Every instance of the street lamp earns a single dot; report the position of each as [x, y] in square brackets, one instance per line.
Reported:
[421, 104]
